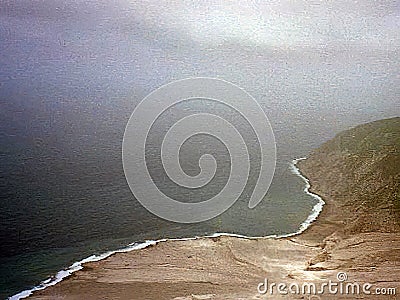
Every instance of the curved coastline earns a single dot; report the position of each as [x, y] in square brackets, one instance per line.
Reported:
[317, 207]
[63, 274]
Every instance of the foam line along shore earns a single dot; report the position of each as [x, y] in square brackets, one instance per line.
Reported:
[62, 274]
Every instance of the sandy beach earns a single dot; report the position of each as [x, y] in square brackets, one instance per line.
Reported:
[355, 241]
[232, 268]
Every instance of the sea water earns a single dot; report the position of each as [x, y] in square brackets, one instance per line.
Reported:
[67, 91]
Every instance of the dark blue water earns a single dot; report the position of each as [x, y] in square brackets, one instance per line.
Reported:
[70, 76]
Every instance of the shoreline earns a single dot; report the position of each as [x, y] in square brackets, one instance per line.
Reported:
[79, 265]
[226, 267]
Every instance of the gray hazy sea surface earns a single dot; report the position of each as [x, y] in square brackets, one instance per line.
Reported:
[72, 73]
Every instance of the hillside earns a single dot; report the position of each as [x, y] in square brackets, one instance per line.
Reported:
[359, 169]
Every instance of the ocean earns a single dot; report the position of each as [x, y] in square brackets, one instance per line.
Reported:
[67, 91]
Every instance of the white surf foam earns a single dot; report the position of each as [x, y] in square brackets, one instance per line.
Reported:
[76, 267]
[137, 246]
[317, 207]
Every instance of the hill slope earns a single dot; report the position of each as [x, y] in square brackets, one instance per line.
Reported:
[359, 169]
